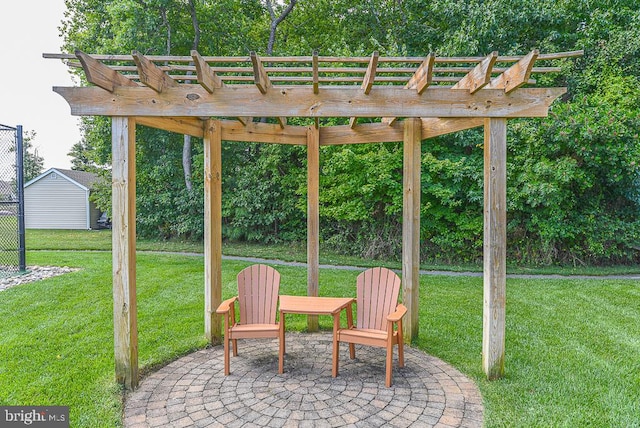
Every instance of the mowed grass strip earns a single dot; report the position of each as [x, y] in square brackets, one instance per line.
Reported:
[572, 345]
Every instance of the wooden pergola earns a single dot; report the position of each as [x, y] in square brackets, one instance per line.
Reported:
[217, 98]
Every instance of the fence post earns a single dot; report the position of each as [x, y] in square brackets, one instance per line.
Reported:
[22, 260]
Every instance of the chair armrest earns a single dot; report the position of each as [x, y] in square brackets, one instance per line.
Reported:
[226, 305]
[398, 314]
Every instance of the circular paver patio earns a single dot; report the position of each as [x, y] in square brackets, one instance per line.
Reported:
[193, 391]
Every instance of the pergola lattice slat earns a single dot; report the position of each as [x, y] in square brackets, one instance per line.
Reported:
[435, 95]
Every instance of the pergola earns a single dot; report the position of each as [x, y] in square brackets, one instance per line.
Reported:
[217, 98]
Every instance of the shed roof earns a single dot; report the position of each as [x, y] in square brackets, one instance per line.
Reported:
[82, 179]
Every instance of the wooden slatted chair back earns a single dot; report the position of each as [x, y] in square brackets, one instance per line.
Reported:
[258, 288]
[377, 297]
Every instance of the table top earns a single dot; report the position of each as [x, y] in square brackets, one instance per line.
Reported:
[313, 305]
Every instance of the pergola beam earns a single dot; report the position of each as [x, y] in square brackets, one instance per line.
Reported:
[385, 101]
[370, 74]
[297, 135]
[381, 133]
[180, 125]
[314, 73]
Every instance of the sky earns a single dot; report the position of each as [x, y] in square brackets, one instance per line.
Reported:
[29, 28]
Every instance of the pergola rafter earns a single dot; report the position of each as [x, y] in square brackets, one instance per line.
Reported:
[196, 95]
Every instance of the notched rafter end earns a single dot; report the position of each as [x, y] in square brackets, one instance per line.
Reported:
[151, 75]
[516, 75]
[101, 75]
[480, 76]
[421, 79]
[207, 78]
[260, 77]
[370, 74]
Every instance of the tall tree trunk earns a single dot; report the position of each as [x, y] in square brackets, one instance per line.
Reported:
[186, 147]
[275, 21]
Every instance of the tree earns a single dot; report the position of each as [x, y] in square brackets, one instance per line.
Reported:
[566, 173]
[33, 164]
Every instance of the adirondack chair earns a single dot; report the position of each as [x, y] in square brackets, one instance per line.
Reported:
[377, 313]
[258, 287]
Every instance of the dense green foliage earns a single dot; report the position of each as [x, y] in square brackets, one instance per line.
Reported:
[573, 194]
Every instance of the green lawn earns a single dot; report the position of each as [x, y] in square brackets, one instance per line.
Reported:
[573, 346]
[100, 240]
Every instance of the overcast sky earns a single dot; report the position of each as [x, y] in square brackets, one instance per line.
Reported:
[28, 28]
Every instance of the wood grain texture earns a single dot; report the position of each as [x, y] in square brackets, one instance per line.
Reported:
[480, 76]
[387, 101]
[411, 225]
[313, 218]
[516, 75]
[100, 75]
[495, 238]
[123, 232]
[206, 76]
[212, 229]
[182, 125]
[151, 75]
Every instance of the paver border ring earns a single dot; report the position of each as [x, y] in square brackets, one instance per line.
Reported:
[193, 391]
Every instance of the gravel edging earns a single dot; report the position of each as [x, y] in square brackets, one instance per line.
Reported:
[34, 273]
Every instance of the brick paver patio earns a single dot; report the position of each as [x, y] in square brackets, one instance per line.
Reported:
[193, 391]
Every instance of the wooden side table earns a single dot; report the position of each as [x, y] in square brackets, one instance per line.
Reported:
[309, 305]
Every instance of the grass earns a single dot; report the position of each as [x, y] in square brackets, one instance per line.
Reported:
[100, 240]
[571, 360]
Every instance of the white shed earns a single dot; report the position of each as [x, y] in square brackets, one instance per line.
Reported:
[59, 199]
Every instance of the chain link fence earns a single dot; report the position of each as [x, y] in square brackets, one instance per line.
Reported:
[12, 248]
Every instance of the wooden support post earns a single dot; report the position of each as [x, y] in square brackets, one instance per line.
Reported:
[125, 324]
[313, 218]
[212, 229]
[495, 254]
[411, 225]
